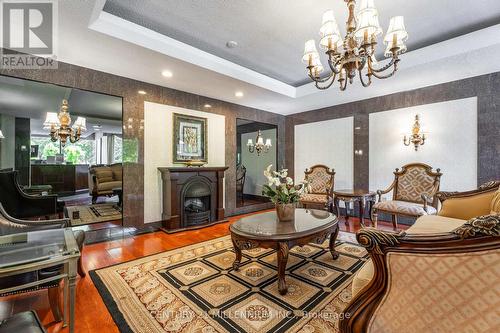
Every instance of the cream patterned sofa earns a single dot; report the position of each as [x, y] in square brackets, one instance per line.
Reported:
[440, 275]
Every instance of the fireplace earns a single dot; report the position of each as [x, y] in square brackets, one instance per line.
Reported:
[192, 197]
[196, 202]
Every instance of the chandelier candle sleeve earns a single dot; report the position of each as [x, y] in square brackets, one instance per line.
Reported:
[353, 55]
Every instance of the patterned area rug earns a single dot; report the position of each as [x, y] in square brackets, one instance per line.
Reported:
[194, 289]
[93, 213]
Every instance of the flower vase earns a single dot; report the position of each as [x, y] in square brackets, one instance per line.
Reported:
[285, 212]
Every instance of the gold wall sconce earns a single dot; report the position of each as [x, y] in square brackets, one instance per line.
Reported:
[417, 138]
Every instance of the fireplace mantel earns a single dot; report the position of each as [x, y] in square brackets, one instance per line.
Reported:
[174, 181]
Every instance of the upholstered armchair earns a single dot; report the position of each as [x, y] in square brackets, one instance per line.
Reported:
[429, 282]
[21, 205]
[241, 172]
[413, 193]
[321, 181]
[103, 179]
[10, 225]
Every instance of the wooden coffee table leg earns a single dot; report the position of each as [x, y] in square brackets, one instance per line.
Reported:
[333, 238]
[237, 261]
[282, 261]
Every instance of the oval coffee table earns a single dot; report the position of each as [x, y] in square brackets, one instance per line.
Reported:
[265, 231]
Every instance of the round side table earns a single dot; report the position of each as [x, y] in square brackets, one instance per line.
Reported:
[362, 197]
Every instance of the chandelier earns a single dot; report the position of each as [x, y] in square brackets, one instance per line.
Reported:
[60, 125]
[259, 145]
[416, 138]
[355, 53]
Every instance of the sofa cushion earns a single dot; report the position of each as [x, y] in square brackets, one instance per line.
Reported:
[428, 224]
[103, 174]
[404, 207]
[495, 203]
[466, 208]
[433, 224]
[310, 197]
[362, 277]
[109, 186]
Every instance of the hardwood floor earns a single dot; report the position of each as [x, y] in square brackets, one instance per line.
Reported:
[91, 313]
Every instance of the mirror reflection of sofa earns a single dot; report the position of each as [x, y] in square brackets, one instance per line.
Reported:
[103, 179]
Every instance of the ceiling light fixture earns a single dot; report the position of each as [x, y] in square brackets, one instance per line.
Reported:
[238, 94]
[60, 125]
[141, 92]
[355, 54]
[259, 145]
[167, 73]
[208, 106]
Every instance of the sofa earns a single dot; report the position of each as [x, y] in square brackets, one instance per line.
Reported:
[103, 179]
[416, 280]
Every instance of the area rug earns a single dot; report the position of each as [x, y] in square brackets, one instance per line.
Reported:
[93, 213]
[195, 289]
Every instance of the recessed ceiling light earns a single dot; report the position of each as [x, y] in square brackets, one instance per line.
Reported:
[142, 92]
[231, 44]
[208, 106]
[238, 94]
[167, 73]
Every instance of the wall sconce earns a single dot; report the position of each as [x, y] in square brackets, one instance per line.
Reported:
[259, 145]
[416, 138]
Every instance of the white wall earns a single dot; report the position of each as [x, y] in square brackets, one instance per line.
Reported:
[326, 142]
[451, 143]
[256, 164]
[158, 136]
[7, 145]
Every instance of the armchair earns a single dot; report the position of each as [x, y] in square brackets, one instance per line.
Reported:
[10, 225]
[413, 193]
[103, 179]
[21, 205]
[241, 172]
[438, 282]
[321, 181]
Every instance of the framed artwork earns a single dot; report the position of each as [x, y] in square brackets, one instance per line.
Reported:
[190, 139]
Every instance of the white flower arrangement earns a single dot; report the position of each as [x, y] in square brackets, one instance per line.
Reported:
[280, 187]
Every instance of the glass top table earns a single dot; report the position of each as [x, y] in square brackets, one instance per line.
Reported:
[35, 250]
[268, 225]
[266, 231]
[35, 246]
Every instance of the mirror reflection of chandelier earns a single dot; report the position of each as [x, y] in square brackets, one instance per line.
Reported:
[354, 55]
[259, 145]
[60, 125]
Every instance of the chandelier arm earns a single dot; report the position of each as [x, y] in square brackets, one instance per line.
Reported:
[363, 81]
[386, 67]
[333, 65]
[332, 77]
[395, 68]
[319, 80]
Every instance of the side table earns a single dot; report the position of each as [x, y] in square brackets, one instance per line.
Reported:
[362, 197]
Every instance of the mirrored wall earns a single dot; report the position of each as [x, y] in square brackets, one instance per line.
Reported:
[65, 143]
[256, 149]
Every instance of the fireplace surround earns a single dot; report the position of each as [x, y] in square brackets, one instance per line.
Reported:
[192, 197]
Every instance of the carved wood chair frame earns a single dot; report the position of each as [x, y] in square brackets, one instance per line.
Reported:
[431, 199]
[329, 188]
[478, 234]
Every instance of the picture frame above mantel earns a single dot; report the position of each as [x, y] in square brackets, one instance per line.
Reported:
[190, 142]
